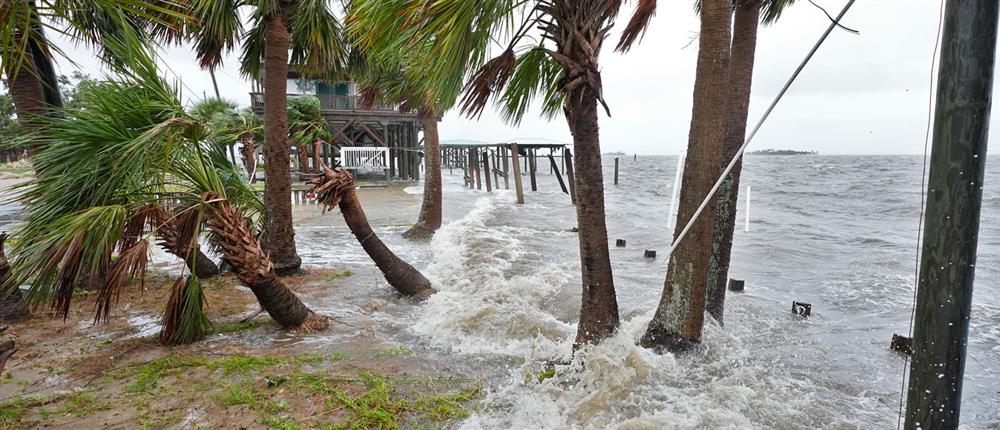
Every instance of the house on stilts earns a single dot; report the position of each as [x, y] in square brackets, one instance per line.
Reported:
[380, 127]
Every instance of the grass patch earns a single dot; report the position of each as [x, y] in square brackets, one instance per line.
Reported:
[82, 403]
[396, 351]
[12, 412]
[338, 275]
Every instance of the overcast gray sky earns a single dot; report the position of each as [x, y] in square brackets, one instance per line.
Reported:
[860, 94]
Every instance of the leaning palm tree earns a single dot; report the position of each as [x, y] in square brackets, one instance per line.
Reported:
[388, 79]
[747, 15]
[335, 188]
[679, 317]
[560, 65]
[311, 32]
[97, 202]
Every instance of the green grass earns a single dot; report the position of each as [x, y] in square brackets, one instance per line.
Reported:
[12, 412]
[82, 403]
[338, 275]
[396, 351]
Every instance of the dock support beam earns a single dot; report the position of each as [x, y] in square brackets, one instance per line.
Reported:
[515, 163]
[486, 169]
[532, 166]
[951, 228]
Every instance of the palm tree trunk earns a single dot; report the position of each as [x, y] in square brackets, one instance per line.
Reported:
[279, 234]
[599, 304]
[242, 251]
[199, 263]
[249, 158]
[680, 315]
[430, 210]
[33, 84]
[336, 188]
[744, 46]
[12, 308]
[317, 156]
[27, 92]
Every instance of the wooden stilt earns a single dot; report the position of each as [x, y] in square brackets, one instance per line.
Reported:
[486, 168]
[570, 176]
[506, 170]
[532, 165]
[475, 165]
[554, 167]
[517, 174]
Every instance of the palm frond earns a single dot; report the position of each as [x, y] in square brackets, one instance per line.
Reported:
[637, 26]
[184, 320]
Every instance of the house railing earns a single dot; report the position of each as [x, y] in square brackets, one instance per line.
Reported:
[331, 102]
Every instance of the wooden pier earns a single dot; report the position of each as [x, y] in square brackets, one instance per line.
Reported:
[493, 164]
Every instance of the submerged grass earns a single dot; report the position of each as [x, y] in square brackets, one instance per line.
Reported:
[284, 392]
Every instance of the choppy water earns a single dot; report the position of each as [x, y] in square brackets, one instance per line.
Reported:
[838, 232]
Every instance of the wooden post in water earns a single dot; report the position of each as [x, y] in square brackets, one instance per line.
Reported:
[517, 174]
[496, 164]
[475, 165]
[951, 227]
[616, 170]
[486, 168]
[554, 166]
[570, 176]
[506, 170]
[531, 169]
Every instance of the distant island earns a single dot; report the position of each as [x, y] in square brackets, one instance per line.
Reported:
[782, 152]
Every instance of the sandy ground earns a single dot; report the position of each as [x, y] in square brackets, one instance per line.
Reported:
[71, 373]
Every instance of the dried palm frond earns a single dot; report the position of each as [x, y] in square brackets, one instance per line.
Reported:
[331, 186]
[131, 264]
[491, 77]
[637, 26]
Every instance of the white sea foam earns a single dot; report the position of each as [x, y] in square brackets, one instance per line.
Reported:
[481, 307]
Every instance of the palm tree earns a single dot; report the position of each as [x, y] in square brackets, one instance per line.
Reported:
[26, 54]
[679, 317]
[745, 20]
[96, 201]
[307, 126]
[561, 67]
[386, 78]
[12, 309]
[335, 188]
[307, 28]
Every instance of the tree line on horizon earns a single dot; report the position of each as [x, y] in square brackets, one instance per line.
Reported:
[509, 54]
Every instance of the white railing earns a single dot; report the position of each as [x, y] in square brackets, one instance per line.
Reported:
[364, 158]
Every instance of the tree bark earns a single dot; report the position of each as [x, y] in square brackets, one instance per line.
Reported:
[249, 158]
[12, 308]
[579, 31]
[199, 263]
[429, 220]
[680, 315]
[336, 188]
[744, 45]
[279, 233]
[243, 252]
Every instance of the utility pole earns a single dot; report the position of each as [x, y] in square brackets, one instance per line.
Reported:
[211, 72]
[951, 229]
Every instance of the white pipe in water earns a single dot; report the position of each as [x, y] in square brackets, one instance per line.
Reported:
[746, 225]
[677, 187]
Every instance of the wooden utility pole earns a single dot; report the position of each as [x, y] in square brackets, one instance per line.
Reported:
[951, 228]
